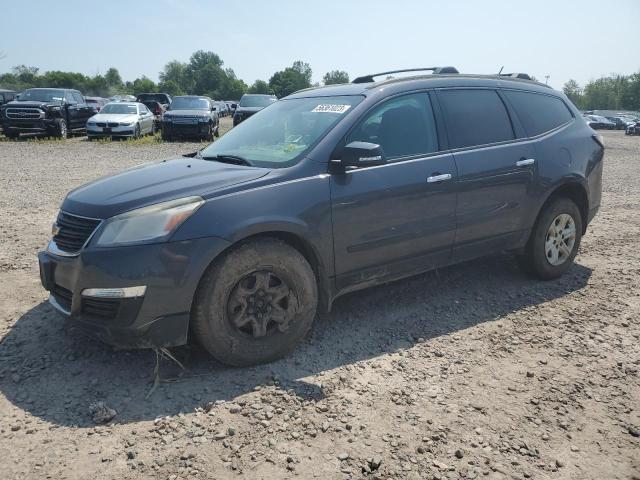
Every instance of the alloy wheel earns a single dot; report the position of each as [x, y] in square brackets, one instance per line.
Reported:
[560, 239]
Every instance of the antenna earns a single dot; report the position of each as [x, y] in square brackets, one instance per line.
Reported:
[501, 68]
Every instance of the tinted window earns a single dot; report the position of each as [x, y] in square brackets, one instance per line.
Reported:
[256, 100]
[402, 126]
[538, 113]
[190, 103]
[475, 117]
[78, 98]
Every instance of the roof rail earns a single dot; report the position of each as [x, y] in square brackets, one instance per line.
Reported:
[522, 76]
[435, 70]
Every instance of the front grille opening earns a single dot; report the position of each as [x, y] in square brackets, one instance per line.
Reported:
[62, 296]
[100, 307]
[73, 231]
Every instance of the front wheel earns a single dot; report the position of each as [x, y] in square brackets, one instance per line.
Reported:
[255, 304]
[554, 241]
[136, 131]
[60, 128]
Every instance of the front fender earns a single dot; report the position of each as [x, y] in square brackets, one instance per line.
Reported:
[301, 207]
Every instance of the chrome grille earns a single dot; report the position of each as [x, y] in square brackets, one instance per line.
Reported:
[29, 113]
[73, 231]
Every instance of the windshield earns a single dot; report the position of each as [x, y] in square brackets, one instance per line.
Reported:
[256, 101]
[41, 96]
[280, 135]
[157, 97]
[122, 108]
[189, 103]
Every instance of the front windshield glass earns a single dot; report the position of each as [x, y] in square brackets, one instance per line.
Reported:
[189, 103]
[41, 96]
[280, 135]
[155, 97]
[256, 101]
[121, 108]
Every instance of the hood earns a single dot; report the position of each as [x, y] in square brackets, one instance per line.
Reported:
[18, 103]
[248, 109]
[186, 113]
[114, 117]
[154, 183]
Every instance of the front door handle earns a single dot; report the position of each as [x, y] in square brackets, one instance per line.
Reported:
[523, 162]
[439, 178]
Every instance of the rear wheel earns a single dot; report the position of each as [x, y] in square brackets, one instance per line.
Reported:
[255, 304]
[554, 241]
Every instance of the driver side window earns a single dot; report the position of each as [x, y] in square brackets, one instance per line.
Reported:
[403, 126]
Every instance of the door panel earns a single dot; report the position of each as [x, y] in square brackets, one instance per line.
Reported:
[494, 194]
[389, 222]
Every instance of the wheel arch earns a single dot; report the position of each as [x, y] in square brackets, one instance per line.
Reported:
[575, 191]
[298, 242]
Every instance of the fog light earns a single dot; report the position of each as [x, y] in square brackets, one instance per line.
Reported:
[128, 292]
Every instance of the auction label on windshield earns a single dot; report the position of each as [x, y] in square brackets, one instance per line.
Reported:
[330, 108]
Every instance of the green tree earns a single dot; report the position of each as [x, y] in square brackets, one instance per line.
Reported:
[291, 79]
[113, 79]
[142, 85]
[260, 86]
[335, 76]
[171, 87]
[572, 90]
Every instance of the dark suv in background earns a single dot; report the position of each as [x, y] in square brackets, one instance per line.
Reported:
[327, 191]
[190, 116]
[249, 104]
[51, 111]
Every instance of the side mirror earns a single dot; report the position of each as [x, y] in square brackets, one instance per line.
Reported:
[362, 154]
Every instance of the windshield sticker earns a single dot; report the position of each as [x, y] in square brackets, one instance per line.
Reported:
[328, 108]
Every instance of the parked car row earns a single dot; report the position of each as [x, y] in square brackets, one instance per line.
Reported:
[618, 122]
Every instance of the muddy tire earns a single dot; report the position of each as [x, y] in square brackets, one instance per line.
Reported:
[255, 304]
[554, 241]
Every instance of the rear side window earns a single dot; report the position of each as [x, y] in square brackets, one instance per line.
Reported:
[475, 117]
[538, 113]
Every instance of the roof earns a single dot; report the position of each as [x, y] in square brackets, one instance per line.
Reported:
[421, 81]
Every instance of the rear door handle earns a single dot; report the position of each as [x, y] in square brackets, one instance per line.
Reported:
[439, 178]
[525, 161]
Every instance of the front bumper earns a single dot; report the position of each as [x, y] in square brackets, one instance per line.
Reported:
[170, 271]
[119, 131]
[35, 125]
[195, 129]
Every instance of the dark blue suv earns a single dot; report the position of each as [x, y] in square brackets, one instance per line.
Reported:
[327, 191]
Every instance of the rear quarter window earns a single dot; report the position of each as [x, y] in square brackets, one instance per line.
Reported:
[475, 117]
[538, 113]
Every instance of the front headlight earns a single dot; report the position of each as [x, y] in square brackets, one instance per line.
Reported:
[152, 223]
[126, 124]
[167, 118]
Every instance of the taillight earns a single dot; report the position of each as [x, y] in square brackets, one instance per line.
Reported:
[599, 139]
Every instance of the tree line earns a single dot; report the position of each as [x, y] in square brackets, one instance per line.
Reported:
[615, 92]
[203, 74]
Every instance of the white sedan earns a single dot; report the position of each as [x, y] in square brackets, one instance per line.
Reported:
[121, 119]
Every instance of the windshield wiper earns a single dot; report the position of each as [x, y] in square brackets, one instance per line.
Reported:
[233, 159]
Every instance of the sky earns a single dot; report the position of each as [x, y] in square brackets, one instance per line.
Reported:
[579, 39]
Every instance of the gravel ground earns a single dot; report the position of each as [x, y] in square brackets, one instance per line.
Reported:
[474, 371]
